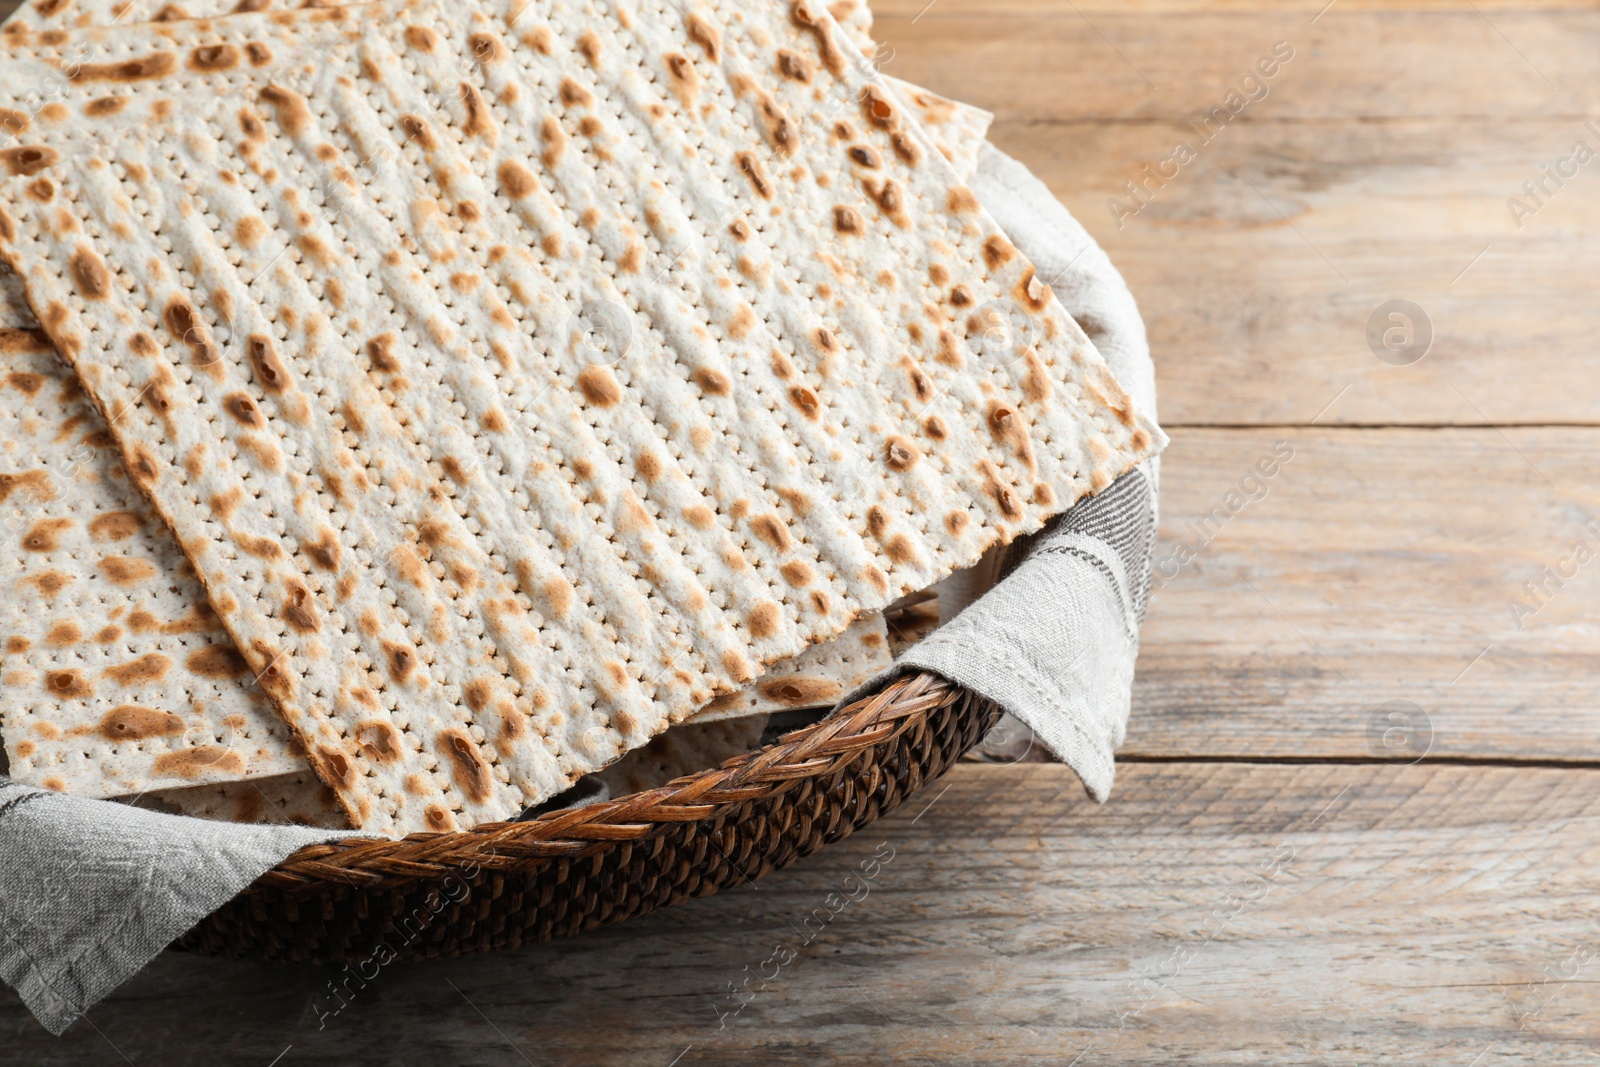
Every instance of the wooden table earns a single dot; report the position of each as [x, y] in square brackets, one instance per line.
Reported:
[1356, 820]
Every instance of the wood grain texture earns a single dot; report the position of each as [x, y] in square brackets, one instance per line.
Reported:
[1307, 227]
[1376, 565]
[1378, 166]
[1218, 914]
[1053, 63]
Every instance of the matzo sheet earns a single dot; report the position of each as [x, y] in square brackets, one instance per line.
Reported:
[201, 720]
[855, 20]
[298, 799]
[50, 436]
[46, 741]
[956, 129]
[472, 551]
[816, 677]
[115, 676]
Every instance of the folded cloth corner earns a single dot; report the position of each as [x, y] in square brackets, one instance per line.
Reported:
[92, 890]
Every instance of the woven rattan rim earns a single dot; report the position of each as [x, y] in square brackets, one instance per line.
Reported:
[810, 752]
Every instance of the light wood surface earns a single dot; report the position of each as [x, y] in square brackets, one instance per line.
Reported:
[1305, 227]
[1051, 60]
[1377, 166]
[1379, 565]
[1273, 881]
[1211, 914]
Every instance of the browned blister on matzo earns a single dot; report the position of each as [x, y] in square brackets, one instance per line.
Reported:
[115, 676]
[519, 380]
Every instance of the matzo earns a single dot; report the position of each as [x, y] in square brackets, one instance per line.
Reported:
[956, 129]
[218, 729]
[855, 19]
[53, 436]
[51, 432]
[298, 799]
[193, 715]
[115, 677]
[346, 271]
[816, 677]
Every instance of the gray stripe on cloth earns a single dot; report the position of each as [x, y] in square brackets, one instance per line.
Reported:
[17, 802]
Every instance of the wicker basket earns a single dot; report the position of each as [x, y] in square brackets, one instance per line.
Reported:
[507, 884]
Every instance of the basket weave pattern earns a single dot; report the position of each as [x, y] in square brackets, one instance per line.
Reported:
[507, 884]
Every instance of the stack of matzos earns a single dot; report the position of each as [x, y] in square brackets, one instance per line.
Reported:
[517, 380]
[116, 679]
[48, 742]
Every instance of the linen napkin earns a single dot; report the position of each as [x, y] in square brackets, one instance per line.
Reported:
[92, 890]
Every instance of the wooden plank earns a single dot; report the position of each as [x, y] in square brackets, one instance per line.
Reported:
[1058, 63]
[1306, 229]
[1361, 178]
[1216, 914]
[1378, 566]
